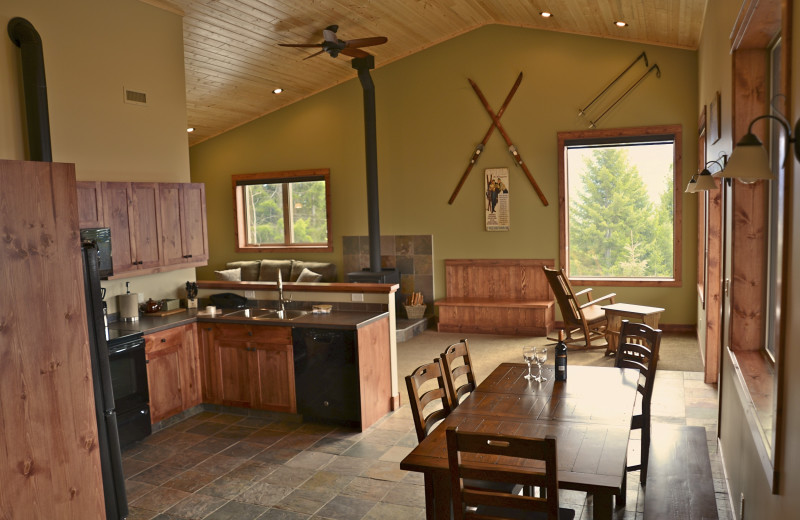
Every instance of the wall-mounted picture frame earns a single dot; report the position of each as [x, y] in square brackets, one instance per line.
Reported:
[714, 119]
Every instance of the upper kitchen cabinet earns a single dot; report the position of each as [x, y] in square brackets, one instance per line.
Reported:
[132, 212]
[154, 226]
[183, 223]
[90, 204]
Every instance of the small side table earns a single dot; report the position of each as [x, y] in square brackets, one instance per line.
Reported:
[616, 311]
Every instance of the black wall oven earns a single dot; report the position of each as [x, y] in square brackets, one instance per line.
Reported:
[129, 381]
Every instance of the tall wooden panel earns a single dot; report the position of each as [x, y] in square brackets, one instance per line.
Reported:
[49, 461]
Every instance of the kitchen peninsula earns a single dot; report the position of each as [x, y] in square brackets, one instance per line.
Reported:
[339, 366]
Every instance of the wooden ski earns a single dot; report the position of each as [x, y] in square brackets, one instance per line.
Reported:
[480, 147]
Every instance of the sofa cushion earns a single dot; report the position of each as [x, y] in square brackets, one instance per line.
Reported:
[269, 270]
[229, 275]
[309, 276]
[327, 270]
[250, 269]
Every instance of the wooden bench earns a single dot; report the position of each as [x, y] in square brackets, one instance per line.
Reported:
[679, 480]
[497, 297]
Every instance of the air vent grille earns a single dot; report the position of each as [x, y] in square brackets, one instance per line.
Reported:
[135, 97]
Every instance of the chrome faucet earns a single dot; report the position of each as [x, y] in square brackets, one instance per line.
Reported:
[280, 292]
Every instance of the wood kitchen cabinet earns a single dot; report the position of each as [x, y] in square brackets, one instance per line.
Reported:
[173, 374]
[183, 223]
[248, 366]
[155, 227]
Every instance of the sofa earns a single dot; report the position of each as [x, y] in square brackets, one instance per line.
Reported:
[267, 271]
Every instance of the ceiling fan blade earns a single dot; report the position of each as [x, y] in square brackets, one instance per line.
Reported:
[354, 53]
[300, 44]
[366, 42]
[315, 54]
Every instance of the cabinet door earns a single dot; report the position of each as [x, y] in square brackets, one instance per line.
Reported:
[233, 373]
[193, 222]
[146, 224]
[275, 378]
[90, 204]
[191, 387]
[116, 213]
[171, 226]
[164, 373]
[208, 363]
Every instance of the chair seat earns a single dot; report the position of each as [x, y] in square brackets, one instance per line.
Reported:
[594, 314]
[513, 514]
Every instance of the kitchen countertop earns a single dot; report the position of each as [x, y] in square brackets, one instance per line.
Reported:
[335, 320]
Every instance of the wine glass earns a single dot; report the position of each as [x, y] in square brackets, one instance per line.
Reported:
[529, 356]
[540, 356]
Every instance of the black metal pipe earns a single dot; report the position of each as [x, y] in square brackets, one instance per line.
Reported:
[362, 65]
[25, 36]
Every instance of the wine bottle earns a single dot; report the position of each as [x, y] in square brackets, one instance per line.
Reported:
[561, 358]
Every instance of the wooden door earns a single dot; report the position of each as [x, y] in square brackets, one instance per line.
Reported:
[90, 204]
[49, 461]
[193, 222]
[171, 223]
[146, 224]
[274, 377]
[116, 214]
[164, 373]
[233, 366]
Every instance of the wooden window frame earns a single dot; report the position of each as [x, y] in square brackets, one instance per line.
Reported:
[239, 182]
[676, 131]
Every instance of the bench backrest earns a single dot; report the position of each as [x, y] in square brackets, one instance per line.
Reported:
[515, 279]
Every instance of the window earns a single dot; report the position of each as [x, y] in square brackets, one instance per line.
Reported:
[283, 211]
[620, 216]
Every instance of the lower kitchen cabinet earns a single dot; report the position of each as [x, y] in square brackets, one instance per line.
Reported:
[173, 375]
[248, 366]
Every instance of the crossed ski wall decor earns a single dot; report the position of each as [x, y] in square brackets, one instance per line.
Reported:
[511, 148]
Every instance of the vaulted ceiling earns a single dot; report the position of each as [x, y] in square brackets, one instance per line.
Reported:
[233, 61]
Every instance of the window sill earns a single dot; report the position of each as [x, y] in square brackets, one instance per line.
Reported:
[625, 282]
[285, 249]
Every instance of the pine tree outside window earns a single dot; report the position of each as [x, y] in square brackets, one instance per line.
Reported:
[620, 205]
[283, 211]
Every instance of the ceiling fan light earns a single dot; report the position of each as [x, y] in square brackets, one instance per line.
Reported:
[748, 162]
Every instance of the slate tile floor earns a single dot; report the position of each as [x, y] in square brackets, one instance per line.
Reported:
[226, 466]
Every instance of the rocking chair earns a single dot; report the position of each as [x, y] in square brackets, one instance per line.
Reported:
[587, 318]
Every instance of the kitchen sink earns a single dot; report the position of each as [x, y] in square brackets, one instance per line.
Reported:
[264, 314]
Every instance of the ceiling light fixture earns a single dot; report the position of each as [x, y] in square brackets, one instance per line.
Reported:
[751, 161]
[546, 14]
[277, 90]
[190, 129]
[620, 23]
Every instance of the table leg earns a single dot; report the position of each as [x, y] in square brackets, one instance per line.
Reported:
[622, 496]
[612, 331]
[441, 495]
[603, 506]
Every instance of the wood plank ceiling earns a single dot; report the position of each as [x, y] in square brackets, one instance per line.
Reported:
[233, 61]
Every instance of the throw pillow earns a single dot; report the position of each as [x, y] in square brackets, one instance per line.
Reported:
[309, 276]
[229, 275]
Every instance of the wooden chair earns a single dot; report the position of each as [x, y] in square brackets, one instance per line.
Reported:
[638, 348]
[425, 421]
[471, 456]
[588, 317]
[453, 371]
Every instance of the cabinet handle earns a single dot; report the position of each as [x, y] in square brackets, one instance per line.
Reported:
[249, 332]
[163, 340]
[250, 349]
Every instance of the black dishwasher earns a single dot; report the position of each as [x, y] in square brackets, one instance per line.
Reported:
[326, 375]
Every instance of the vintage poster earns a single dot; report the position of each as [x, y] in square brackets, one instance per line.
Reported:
[496, 199]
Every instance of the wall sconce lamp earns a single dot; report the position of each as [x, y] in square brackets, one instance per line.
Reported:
[704, 181]
[749, 162]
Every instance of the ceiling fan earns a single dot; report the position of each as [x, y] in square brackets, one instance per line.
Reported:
[333, 45]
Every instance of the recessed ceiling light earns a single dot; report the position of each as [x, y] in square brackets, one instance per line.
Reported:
[621, 24]
[190, 129]
[545, 14]
[277, 90]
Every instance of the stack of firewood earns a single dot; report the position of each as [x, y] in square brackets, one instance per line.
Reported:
[415, 298]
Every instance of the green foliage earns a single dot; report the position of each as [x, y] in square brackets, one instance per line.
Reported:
[265, 213]
[614, 228]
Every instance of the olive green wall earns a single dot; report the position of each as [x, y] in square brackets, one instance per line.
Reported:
[429, 121]
[92, 49]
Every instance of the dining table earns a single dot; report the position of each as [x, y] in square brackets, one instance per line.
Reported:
[589, 414]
